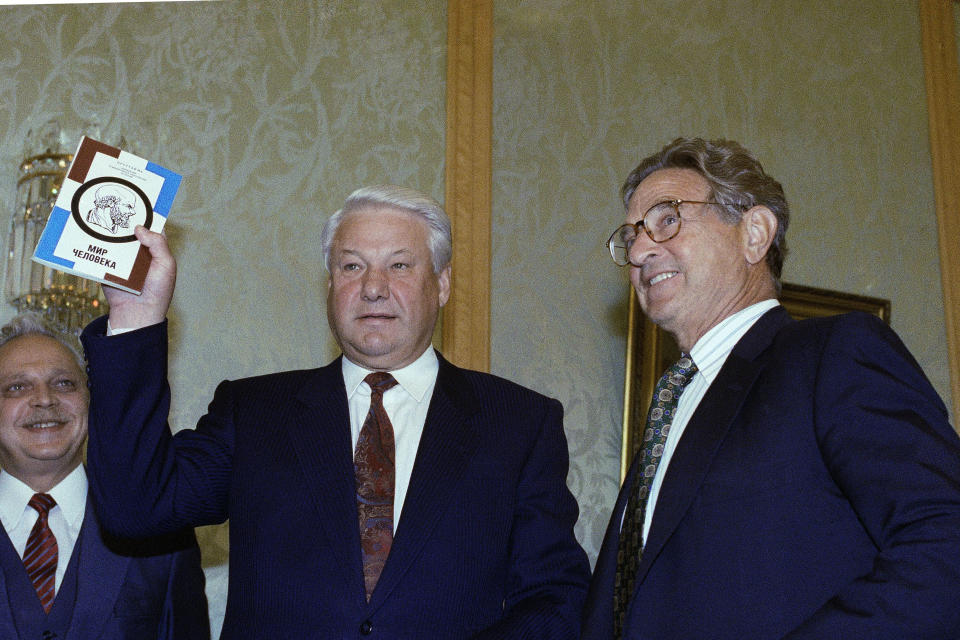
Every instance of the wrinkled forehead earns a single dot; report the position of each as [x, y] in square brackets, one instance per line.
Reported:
[667, 184]
[381, 224]
[38, 353]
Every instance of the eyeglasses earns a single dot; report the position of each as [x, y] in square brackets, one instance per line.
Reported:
[661, 223]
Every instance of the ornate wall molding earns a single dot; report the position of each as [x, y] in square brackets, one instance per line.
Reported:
[466, 318]
[943, 103]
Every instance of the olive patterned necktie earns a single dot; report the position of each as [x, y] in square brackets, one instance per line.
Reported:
[659, 420]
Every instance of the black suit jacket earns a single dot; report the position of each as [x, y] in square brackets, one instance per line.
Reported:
[484, 547]
[815, 493]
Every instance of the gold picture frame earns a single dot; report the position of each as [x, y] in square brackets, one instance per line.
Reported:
[650, 350]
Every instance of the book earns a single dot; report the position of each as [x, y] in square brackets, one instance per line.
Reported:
[105, 194]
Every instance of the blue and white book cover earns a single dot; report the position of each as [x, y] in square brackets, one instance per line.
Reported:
[106, 193]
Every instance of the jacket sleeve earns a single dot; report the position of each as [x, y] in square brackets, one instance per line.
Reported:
[886, 440]
[144, 480]
[549, 571]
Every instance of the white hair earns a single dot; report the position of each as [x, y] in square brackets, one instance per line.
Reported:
[439, 240]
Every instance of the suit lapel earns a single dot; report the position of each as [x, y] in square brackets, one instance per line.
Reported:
[706, 430]
[446, 446]
[598, 612]
[323, 448]
[100, 576]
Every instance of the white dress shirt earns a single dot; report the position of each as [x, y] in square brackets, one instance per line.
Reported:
[65, 519]
[406, 405]
[709, 354]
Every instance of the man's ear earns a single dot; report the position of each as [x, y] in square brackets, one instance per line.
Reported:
[443, 280]
[760, 228]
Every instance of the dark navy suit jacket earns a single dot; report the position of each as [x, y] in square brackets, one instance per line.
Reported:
[144, 590]
[484, 547]
[815, 493]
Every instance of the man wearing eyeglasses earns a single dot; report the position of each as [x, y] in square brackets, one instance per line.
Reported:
[796, 479]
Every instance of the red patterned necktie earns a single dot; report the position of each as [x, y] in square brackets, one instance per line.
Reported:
[373, 465]
[40, 555]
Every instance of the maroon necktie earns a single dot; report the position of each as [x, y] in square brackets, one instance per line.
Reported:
[40, 556]
[373, 465]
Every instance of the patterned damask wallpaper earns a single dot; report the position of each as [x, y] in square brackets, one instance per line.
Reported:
[274, 111]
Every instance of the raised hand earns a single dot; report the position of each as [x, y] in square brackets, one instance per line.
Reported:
[130, 311]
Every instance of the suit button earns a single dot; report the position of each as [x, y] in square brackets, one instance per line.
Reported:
[366, 627]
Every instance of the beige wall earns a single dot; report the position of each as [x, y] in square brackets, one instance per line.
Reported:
[828, 94]
[275, 110]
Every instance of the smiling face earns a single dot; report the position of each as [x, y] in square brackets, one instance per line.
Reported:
[43, 411]
[708, 271]
[383, 297]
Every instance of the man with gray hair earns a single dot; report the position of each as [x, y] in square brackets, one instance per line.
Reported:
[388, 494]
[60, 575]
[796, 479]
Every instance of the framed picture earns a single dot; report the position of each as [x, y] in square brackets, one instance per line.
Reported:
[650, 350]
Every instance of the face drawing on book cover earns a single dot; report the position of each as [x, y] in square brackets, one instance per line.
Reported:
[113, 206]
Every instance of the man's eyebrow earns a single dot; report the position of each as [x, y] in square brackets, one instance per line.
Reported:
[357, 252]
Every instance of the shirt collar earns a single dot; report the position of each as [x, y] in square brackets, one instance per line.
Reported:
[712, 349]
[416, 378]
[70, 495]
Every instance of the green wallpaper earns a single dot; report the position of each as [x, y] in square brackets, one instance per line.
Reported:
[274, 111]
[956, 26]
[828, 94]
